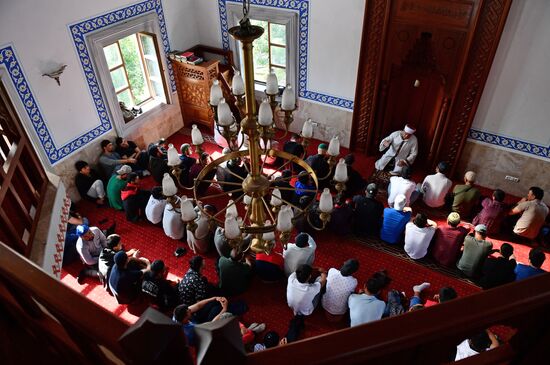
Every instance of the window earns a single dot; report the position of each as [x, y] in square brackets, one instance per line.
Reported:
[270, 52]
[276, 49]
[128, 62]
[134, 69]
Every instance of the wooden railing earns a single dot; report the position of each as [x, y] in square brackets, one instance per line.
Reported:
[63, 325]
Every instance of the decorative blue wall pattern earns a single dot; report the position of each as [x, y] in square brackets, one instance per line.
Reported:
[81, 29]
[302, 7]
[8, 58]
[510, 143]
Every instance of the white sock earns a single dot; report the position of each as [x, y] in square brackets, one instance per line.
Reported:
[419, 288]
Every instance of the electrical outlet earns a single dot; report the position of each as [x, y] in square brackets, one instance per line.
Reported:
[512, 178]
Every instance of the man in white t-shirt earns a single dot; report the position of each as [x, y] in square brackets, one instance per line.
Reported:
[481, 342]
[155, 206]
[402, 185]
[340, 284]
[418, 235]
[301, 252]
[435, 187]
[171, 220]
[301, 295]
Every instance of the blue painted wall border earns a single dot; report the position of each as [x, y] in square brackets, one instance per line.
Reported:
[8, 58]
[78, 32]
[510, 143]
[302, 7]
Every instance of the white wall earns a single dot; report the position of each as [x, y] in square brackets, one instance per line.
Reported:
[38, 31]
[516, 99]
[334, 38]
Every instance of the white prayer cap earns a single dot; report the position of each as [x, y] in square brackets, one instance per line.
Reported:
[408, 129]
[400, 202]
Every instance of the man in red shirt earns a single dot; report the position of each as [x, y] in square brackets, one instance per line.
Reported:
[447, 241]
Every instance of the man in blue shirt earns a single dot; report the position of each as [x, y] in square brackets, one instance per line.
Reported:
[536, 259]
[395, 220]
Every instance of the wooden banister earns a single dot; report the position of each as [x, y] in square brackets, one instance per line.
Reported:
[43, 304]
[430, 335]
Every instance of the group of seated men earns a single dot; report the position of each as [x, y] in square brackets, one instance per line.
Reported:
[335, 289]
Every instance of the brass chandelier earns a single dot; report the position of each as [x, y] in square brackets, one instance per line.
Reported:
[266, 214]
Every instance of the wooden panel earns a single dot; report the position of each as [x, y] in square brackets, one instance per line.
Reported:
[463, 39]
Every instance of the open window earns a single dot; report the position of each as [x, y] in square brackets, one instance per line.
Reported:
[131, 70]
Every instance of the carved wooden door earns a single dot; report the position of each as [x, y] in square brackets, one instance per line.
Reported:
[23, 181]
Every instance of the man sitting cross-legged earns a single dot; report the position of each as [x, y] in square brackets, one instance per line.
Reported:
[302, 294]
[299, 253]
[91, 241]
[448, 239]
[367, 212]
[395, 220]
[435, 187]
[204, 311]
[499, 270]
[476, 249]
[161, 291]
[536, 259]
[107, 255]
[235, 273]
[493, 212]
[116, 183]
[194, 286]
[466, 196]
[88, 183]
[418, 235]
[125, 277]
[533, 214]
[365, 307]
[340, 284]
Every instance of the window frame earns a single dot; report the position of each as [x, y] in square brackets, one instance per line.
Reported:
[289, 19]
[97, 41]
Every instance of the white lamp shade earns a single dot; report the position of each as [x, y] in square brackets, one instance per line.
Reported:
[247, 199]
[276, 198]
[215, 93]
[225, 117]
[188, 213]
[284, 219]
[268, 236]
[196, 136]
[265, 114]
[341, 172]
[334, 146]
[325, 202]
[307, 129]
[168, 186]
[272, 85]
[231, 227]
[231, 208]
[289, 99]
[237, 85]
[173, 156]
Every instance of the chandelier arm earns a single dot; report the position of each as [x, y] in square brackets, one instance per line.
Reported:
[268, 210]
[246, 168]
[246, 213]
[222, 182]
[313, 226]
[234, 174]
[220, 194]
[279, 168]
[293, 189]
[227, 206]
[328, 174]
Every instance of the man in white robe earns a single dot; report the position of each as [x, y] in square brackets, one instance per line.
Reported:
[401, 146]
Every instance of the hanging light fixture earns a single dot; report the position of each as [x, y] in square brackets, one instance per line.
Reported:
[267, 215]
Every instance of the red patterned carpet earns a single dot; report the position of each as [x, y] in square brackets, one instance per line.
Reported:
[267, 302]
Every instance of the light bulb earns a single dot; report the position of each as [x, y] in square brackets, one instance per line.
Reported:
[341, 171]
[225, 117]
[288, 101]
[231, 227]
[215, 93]
[325, 202]
[284, 219]
[276, 198]
[265, 114]
[168, 186]
[231, 208]
[188, 213]
[237, 85]
[173, 156]
[334, 147]
[272, 85]
[196, 136]
[307, 129]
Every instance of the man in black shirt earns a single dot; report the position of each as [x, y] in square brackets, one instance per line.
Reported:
[295, 148]
[128, 149]
[88, 183]
[320, 165]
[499, 270]
[355, 181]
[367, 212]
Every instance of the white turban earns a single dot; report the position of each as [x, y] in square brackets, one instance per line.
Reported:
[408, 129]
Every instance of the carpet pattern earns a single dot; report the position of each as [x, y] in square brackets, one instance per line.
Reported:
[267, 302]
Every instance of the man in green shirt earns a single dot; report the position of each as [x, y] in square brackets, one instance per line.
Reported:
[116, 183]
[235, 275]
[466, 197]
[476, 249]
